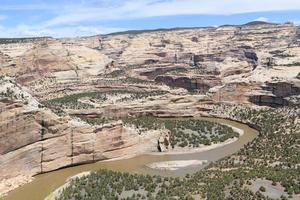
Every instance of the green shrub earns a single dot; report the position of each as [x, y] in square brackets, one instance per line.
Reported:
[262, 189]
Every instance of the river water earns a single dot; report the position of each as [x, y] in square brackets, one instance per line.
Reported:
[46, 183]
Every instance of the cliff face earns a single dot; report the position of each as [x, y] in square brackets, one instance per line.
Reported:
[195, 59]
[277, 94]
[199, 83]
[37, 141]
[50, 58]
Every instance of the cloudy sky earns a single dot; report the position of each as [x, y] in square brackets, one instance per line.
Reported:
[64, 18]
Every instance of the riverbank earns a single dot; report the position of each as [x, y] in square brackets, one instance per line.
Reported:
[8, 185]
[59, 190]
[175, 165]
[202, 148]
[40, 185]
[162, 166]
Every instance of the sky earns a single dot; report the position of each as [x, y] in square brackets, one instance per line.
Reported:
[71, 18]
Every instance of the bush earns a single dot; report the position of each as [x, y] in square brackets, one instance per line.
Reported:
[262, 189]
[185, 132]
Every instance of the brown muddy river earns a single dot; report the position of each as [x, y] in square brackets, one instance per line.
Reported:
[46, 183]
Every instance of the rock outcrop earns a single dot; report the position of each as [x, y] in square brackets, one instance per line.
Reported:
[163, 142]
[277, 94]
[54, 58]
[34, 141]
[200, 83]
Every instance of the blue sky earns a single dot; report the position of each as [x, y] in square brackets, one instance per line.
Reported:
[64, 18]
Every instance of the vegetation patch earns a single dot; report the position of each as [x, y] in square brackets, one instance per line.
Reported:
[106, 184]
[20, 40]
[290, 64]
[273, 155]
[132, 80]
[115, 74]
[97, 121]
[186, 133]
[72, 101]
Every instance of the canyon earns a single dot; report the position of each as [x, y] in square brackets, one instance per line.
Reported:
[52, 89]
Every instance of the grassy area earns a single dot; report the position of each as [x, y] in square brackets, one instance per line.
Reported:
[274, 155]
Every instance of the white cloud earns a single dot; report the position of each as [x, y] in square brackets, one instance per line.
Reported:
[69, 15]
[74, 12]
[164, 7]
[130, 9]
[71, 31]
[2, 17]
[262, 19]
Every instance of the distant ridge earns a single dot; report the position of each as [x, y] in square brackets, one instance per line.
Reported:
[21, 40]
[134, 32]
[153, 30]
[254, 23]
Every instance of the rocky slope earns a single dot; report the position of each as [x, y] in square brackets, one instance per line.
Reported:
[250, 60]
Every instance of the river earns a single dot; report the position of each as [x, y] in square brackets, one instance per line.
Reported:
[46, 183]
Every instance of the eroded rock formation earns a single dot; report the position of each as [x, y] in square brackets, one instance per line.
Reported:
[163, 142]
[34, 140]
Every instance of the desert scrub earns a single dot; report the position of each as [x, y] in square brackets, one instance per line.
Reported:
[142, 95]
[278, 140]
[275, 153]
[224, 179]
[106, 184]
[290, 64]
[72, 101]
[186, 132]
[115, 74]
[208, 184]
[20, 40]
[177, 71]
[133, 80]
[97, 121]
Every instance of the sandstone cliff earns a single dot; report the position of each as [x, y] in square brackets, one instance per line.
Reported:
[34, 140]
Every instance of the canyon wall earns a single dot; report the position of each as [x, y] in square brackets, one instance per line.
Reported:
[38, 141]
